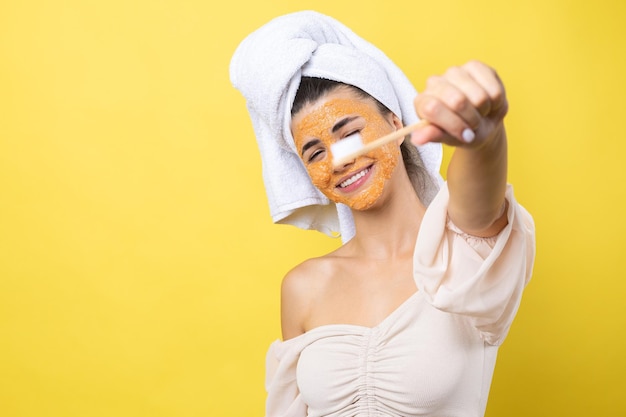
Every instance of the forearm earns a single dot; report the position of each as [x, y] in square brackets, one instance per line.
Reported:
[477, 178]
[466, 107]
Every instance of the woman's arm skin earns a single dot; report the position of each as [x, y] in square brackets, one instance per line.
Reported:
[465, 108]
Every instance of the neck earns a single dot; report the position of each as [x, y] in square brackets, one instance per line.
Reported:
[390, 229]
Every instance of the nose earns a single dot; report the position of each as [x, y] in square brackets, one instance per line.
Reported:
[343, 166]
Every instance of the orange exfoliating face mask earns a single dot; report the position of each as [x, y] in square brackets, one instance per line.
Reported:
[359, 183]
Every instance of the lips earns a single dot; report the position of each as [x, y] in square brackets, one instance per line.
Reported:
[354, 181]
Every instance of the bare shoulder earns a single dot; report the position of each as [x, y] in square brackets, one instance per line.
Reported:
[299, 288]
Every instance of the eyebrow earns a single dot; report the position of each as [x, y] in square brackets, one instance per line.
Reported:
[342, 123]
[309, 144]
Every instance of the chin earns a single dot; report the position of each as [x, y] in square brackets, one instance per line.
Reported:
[362, 202]
[363, 205]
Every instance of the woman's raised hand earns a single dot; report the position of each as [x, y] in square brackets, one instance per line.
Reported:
[465, 107]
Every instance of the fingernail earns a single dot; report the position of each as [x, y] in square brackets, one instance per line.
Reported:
[468, 135]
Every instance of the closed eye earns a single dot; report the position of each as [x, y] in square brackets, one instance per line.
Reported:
[315, 155]
[309, 145]
[352, 133]
[312, 150]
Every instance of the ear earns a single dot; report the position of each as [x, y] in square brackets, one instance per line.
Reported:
[397, 123]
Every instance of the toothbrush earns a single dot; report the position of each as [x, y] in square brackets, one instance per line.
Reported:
[353, 146]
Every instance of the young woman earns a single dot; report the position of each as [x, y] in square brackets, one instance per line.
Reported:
[405, 318]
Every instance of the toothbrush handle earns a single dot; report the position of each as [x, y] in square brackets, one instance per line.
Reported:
[383, 140]
[395, 135]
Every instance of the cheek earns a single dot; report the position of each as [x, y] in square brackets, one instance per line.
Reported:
[387, 157]
[320, 174]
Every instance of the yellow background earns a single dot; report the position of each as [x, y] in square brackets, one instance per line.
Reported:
[139, 269]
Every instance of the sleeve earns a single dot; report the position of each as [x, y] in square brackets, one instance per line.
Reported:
[283, 396]
[480, 278]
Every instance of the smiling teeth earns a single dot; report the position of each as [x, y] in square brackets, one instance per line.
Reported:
[353, 178]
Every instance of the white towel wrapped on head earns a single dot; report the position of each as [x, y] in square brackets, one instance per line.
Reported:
[267, 68]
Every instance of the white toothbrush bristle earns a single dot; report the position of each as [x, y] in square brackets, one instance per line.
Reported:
[346, 146]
